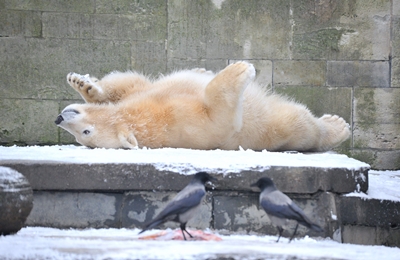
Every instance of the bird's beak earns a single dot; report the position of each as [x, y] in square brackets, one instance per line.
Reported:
[253, 185]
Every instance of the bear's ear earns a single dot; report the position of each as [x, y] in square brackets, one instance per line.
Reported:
[128, 141]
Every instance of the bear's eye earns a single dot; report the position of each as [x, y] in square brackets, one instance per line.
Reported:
[86, 132]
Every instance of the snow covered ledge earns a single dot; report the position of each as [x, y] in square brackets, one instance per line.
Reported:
[80, 187]
[80, 168]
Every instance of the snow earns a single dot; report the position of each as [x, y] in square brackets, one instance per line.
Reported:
[11, 180]
[181, 160]
[48, 243]
[383, 185]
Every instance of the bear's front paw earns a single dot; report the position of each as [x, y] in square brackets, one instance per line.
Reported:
[83, 84]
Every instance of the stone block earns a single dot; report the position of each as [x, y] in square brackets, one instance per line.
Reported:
[73, 6]
[67, 25]
[344, 30]
[290, 72]
[43, 72]
[75, 210]
[396, 7]
[141, 207]
[358, 73]
[28, 121]
[122, 177]
[23, 24]
[378, 159]
[387, 160]
[148, 7]
[376, 136]
[376, 105]
[100, 57]
[141, 27]
[231, 29]
[16, 197]
[242, 213]
[149, 58]
[395, 72]
[363, 235]
[369, 212]
[48, 61]
[321, 100]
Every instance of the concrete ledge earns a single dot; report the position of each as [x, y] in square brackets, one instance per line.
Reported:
[370, 212]
[136, 177]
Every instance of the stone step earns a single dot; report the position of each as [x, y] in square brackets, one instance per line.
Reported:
[369, 221]
[79, 187]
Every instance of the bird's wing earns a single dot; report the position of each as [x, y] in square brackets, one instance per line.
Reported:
[278, 204]
[179, 205]
[183, 204]
[287, 211]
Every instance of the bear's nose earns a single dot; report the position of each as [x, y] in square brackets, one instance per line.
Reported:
[59, 119]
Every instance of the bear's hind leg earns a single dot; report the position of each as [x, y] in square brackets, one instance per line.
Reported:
[86, 87]
[224, 95]
[334, 131]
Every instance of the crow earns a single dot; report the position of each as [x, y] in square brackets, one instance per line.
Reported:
[184, 205]
[280, 207]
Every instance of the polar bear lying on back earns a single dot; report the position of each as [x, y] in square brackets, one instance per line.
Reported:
[194, 109]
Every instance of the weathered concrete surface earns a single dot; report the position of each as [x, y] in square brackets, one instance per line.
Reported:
[369, 221]
[366, 235]
[142, 177]
[357, 210]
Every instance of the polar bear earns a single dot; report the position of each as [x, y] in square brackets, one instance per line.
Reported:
[194, 109]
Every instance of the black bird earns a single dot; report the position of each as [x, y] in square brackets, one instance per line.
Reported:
[280, 207]
[185, 204]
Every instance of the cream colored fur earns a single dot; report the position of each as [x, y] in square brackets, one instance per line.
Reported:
[194, 109]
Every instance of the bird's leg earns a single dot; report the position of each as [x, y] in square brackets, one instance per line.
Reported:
[280, 230]
[294, 233]
[183, 228]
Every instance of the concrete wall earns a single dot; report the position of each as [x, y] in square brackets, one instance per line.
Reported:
[335, 56]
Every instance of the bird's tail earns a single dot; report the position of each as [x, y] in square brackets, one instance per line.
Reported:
[311, 225]
[152, 224]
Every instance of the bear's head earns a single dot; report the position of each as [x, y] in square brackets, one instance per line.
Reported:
[95, 126]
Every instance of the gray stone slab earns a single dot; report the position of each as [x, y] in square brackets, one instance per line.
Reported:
[230, 29]
[131, 177]
[344, 30]
[358, 73]
[380, 160]
[376, 105]
[242, 213]
[75, 210]
[320, 100]
[141, 207]
[376, 136]
[28, 120]
[364, 235]
[73, 6]
[148, 7]
[20, 24]
[369, 212]
[290, 72]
